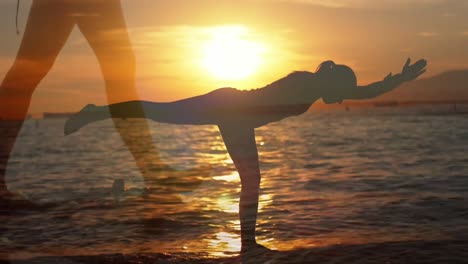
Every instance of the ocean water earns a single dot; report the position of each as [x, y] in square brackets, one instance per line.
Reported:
[328, 177]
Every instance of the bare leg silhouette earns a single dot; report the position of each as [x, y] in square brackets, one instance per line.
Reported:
[49, 25]
[46, 32]
[241, 146]
[107, 34]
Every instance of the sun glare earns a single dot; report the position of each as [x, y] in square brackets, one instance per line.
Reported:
[229, 54]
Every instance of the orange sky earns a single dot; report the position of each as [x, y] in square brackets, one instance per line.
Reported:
[170, 40]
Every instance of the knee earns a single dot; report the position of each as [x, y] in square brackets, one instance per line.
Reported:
[250, 182]
[118, 61]
[122, 57]
[25, 75]
[249, 194]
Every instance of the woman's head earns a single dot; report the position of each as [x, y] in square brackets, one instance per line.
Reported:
[337, 80]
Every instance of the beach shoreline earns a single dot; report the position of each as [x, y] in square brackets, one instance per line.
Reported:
[441, 251]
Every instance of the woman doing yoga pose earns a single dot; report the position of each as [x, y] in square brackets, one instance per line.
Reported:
[237, 113]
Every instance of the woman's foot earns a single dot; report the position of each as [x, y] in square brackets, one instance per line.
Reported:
[12, 202]
[182, 181]
[251, 253]
[85, 116]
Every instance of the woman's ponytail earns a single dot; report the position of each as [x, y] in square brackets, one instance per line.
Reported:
[17, 11]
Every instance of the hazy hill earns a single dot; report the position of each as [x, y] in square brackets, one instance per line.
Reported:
[448, 86]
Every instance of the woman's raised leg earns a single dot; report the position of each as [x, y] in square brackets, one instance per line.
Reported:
[207, 109]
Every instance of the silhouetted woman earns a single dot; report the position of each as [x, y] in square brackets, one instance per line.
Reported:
[49, 25]
[238, 113]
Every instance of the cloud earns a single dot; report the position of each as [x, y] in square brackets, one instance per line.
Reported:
[428, 34]
[78, 15]
[392, 4]
[449, 15]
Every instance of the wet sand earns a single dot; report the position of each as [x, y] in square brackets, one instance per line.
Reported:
[444, 251]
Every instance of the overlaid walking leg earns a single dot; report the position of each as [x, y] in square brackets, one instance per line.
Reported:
[108, 36]
[47, 30]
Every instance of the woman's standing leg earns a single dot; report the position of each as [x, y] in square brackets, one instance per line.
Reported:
[48, 27]
[241, 146]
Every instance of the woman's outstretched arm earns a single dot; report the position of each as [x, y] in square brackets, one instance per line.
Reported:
[409, 73]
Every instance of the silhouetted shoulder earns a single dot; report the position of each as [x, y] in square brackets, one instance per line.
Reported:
[291, 80]
[300, 74]
[224, 90]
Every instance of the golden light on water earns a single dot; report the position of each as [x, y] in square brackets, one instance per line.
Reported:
[227, 204]
[225, 242]
[229, 53]
[233, 177]
[264, 200]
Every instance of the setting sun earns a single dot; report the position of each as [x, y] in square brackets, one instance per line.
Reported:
[229, 54]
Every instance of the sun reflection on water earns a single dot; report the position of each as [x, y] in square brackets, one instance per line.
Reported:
[224, 243]
[264, 200]
[233, 177]
[228, 204]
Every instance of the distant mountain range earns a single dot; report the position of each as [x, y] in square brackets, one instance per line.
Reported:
[450, 86]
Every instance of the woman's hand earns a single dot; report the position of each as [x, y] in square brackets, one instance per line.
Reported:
[409, 72]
